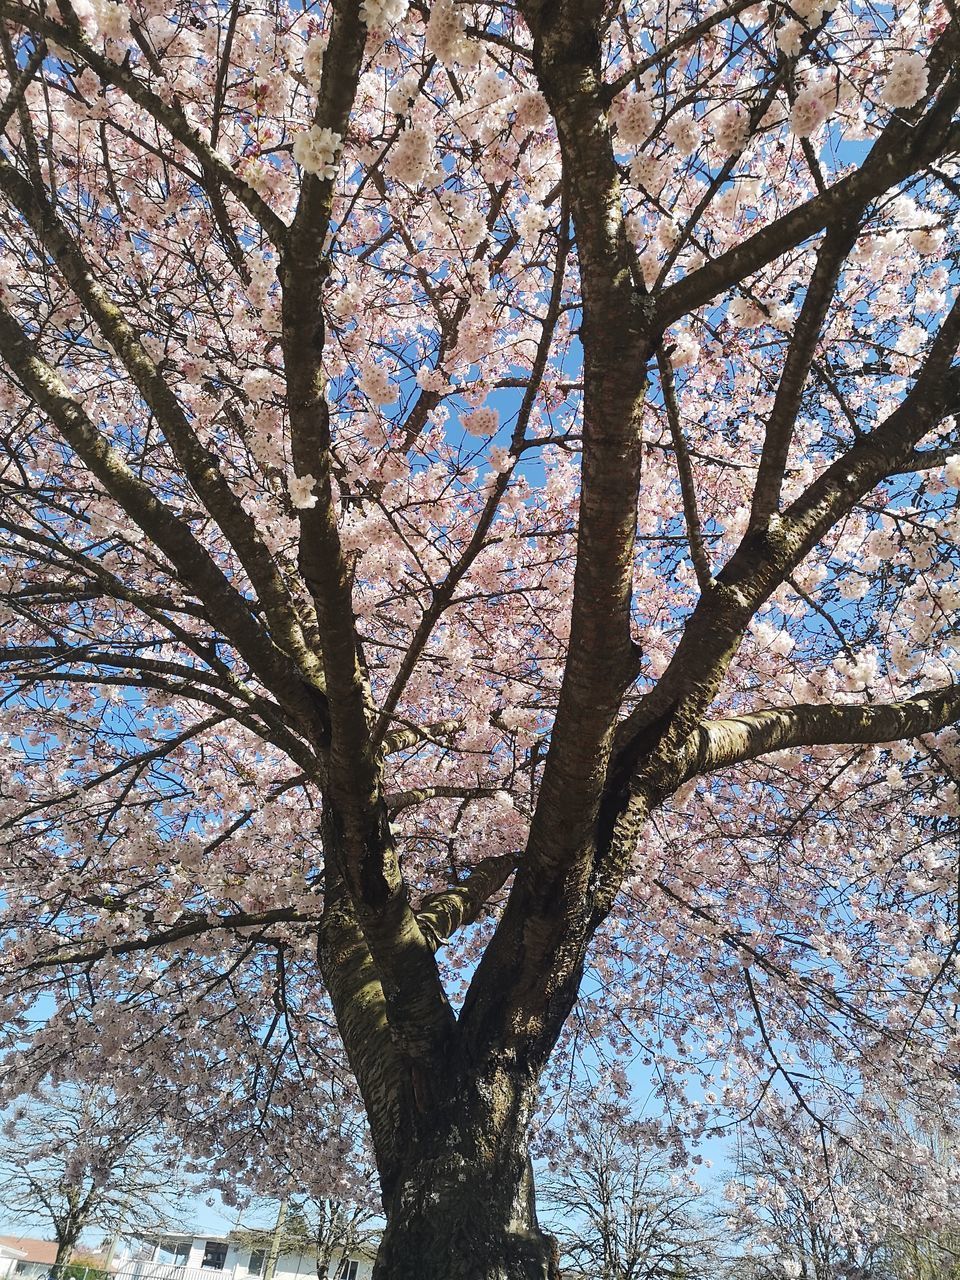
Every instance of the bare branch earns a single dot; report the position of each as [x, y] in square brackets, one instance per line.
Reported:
[698, 551]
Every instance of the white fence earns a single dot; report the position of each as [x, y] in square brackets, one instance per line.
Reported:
[143, 1269]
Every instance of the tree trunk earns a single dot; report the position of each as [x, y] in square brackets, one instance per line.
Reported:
[460, 1204]
[453, 1219]
[66, 1244]
[448, 1113]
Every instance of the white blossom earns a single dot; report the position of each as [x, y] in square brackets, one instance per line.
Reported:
[313, 60]
[684, 132]
[446, 36]
[531, 221]
[401, 95]
[113, 20]
[927, 240]
[921, 966]
[375, 384]
[315, 150]
[532, 111]
[731, 128]
[686, 350]
[301, 492]
[906, 82]
[634, 119]
[811, 11]
[743, 314]
[911, 339]
[648, 173]
[410, 158]
[788, 38]
[381, 15]
[810, 109]
[482, 422]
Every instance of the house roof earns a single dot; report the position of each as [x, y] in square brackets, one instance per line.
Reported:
[44, 1251]
[180, 1235]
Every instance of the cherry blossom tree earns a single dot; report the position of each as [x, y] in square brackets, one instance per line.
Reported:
[83, 1160]
[796, 1221]
[480, 545]
[808, 1202]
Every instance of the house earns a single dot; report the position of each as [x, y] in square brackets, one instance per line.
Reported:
[26, 1259]
[9, 1256]
[188, 1256]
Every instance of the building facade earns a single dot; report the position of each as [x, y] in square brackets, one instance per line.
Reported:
[22, 1258]
[187, 1256]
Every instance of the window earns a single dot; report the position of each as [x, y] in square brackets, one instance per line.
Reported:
[346, 1270]
[174, 1252]
[257, 1258]
[214, 1255]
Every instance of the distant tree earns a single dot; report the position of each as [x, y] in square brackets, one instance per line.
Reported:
[807, 1206]
[619, 1211]
[927, 1257]
[80, 1159]
[330, 1229]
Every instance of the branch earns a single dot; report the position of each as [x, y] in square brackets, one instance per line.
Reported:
[698, 551]
[199, 464]
[441, 914]
[652, 741]
[228, 608]
[926, 460]
[191, 927]
[544, 927]
[617, 340]
[820, 292]
[408, 736]
[397, 801]
[664, 718]
[442, 595]
[19, 87]
[934, 395]
[169, 115]
[908, 143]
[717, 744]
[358, 841]
[681, 41]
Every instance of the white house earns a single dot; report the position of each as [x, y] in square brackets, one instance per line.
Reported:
[187, 1256]
[22, 1258]
[9, 1257]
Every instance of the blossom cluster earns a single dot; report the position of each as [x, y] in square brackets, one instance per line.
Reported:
[315, 151]
[411, 156]
[906, 82]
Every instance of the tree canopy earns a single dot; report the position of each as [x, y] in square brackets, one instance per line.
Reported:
[479, 543]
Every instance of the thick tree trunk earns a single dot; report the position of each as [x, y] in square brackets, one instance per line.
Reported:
[456, 1218]
[65, 1247]
[448, 1116]
[459, 1195]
